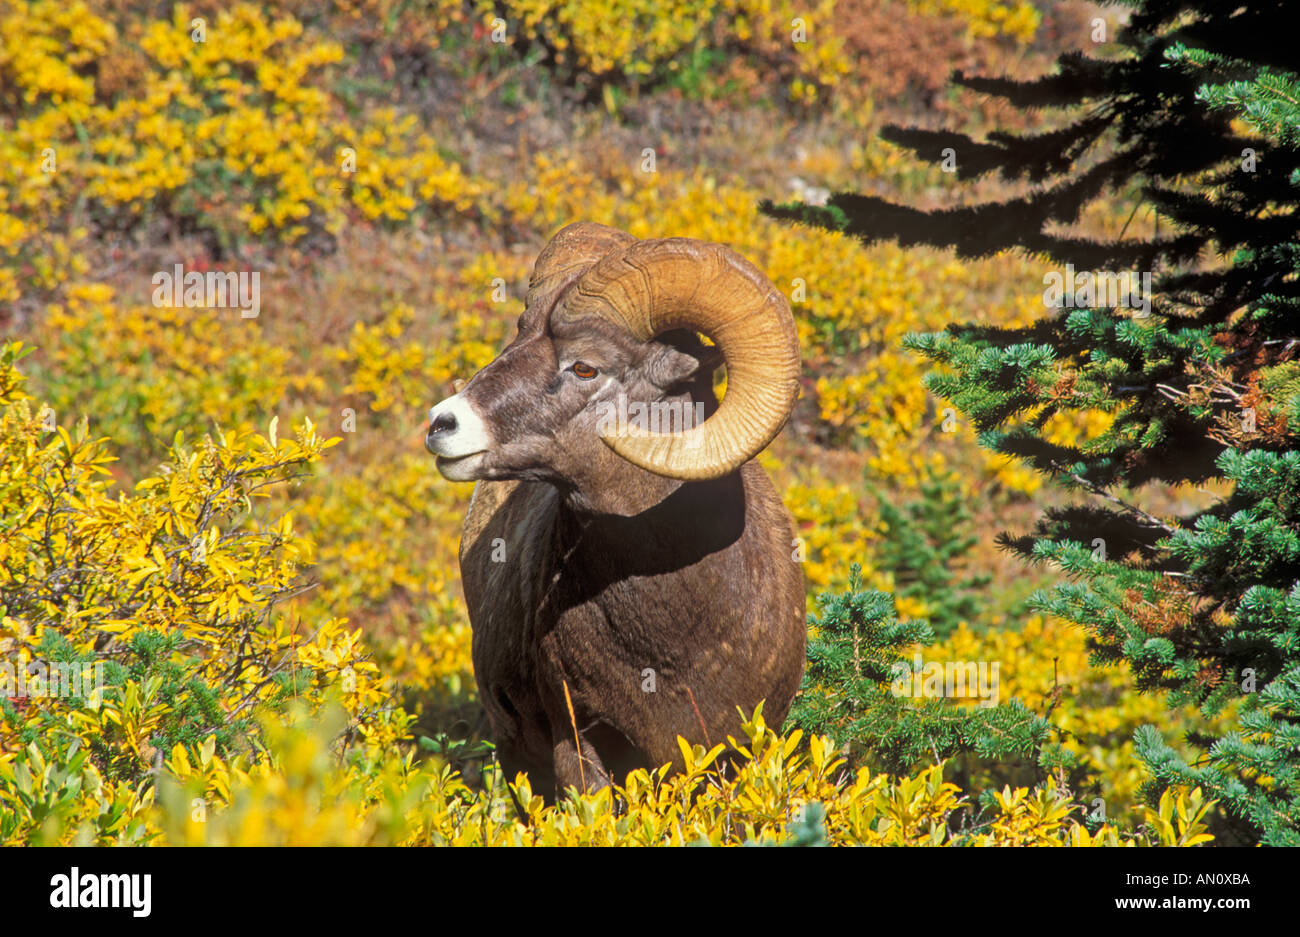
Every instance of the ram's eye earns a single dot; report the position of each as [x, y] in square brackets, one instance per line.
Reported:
[583, 370]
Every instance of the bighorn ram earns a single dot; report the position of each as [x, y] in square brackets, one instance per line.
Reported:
[645, 579]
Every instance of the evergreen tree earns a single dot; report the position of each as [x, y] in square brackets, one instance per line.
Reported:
[923, 544]
[1194, 112]
[860, 688]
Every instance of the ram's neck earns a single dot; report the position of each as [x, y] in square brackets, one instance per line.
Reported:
[623, 490]
[674, 525]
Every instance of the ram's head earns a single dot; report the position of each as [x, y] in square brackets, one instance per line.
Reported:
[608, 368]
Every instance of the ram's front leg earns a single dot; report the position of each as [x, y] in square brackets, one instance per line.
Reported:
[587, 773]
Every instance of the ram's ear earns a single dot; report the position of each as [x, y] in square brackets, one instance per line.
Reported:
[677, 358]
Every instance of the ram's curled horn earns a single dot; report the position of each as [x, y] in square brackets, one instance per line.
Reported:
[569, 254]
[653, 286]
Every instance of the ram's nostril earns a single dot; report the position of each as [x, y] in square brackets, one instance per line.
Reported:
[445, 423]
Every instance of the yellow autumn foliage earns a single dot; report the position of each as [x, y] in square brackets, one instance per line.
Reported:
[180, 584]
[278, 620]
[236, 129]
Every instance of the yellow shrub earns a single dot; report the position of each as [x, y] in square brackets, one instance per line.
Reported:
[987, 18]
[237, 132]
[147, 373]
[307, 796]
[175, 590]
[644, 39]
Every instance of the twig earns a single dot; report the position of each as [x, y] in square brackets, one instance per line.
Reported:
[577, 740]
[707, 740]
[1151, 520]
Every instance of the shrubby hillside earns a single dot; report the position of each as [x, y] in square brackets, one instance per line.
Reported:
[237, 513]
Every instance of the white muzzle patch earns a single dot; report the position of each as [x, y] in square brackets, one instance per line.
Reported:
[455, 430]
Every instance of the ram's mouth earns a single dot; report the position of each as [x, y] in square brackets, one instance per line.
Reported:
[461, 467]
